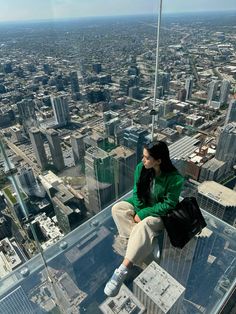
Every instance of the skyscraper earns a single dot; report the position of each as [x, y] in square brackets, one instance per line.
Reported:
[178, 262]
[205, 261]
[38, 147]
[78, 150]
[26, 109]
[218, 200]
[111, 126]
[196, 266]
[74, 82]
[17, 302]
[74, 85]
[164, 80]
[226, 148]
[231, 114]
[97, 67]
[182, 93]
[212, 91]
[158, 291]
[55, 149]
[134, 138]
[60, 110]
[29, 183]
[224, 91]
[123, 162]
[189, 87]
[99, 178]
[27, 179]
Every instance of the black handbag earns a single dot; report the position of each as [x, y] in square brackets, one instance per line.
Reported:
[184, 222]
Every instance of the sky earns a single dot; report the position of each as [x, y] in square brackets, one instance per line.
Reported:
[13, 10]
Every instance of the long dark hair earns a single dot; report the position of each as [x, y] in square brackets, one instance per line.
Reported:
[157, 150]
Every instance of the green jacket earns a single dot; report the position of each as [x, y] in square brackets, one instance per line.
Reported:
[165, 194]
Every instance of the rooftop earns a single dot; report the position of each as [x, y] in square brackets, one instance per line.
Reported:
[218, 193]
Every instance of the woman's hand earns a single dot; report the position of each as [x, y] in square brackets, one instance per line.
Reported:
[137, 219]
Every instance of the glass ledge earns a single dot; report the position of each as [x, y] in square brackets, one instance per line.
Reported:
[81, 263]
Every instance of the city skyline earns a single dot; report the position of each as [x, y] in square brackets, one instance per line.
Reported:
[77, 108]
[12, 10]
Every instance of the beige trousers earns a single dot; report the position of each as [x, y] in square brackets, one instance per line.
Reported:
[140, 234]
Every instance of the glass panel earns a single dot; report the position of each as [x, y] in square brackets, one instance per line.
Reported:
[83, 261]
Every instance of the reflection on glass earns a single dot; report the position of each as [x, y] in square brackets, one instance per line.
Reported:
[82, 262]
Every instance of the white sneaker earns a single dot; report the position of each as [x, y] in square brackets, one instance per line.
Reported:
[113, 286]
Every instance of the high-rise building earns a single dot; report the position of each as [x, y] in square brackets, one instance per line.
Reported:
[212, 91]
[78, 150]
[29, 183]
[158, 291]
[100, 179]
[69, 209]
[17, 302]
[66, 290]
[26, 177]
[181, 150]
[108, 175]
[218, 200]
[231, 114]
[97, 67]
[213, 170]
[178, 262]
[120, 130]
[164, 80]
[59, 82]
[109, 115]
[7, 67]
[74, 84]
[124, 163]
[111, 126]
[226, 148]
[189, 87]
[38, 147]
[16, 134]
[224, 92]
[182, 94]
[164, 107]
[134, 92]
[134, 138]
[60, 110]
[188, 265]
[27, 180]
[205, 261]
[3, 89]
[47, 68]
[26, 110]
[5, 227]
[55, 149]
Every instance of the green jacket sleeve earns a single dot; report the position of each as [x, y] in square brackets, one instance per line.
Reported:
[134, 200]
[170, 201]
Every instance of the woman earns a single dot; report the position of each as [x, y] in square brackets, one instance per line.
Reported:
[157, 186]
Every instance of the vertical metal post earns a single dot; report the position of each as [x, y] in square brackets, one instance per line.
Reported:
[157, 63]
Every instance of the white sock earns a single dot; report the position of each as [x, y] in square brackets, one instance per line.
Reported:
[123, 268]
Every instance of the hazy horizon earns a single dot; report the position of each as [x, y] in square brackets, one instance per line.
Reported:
[100, 17]
[26, 10]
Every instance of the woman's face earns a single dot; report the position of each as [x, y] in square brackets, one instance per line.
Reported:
[149, 161]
